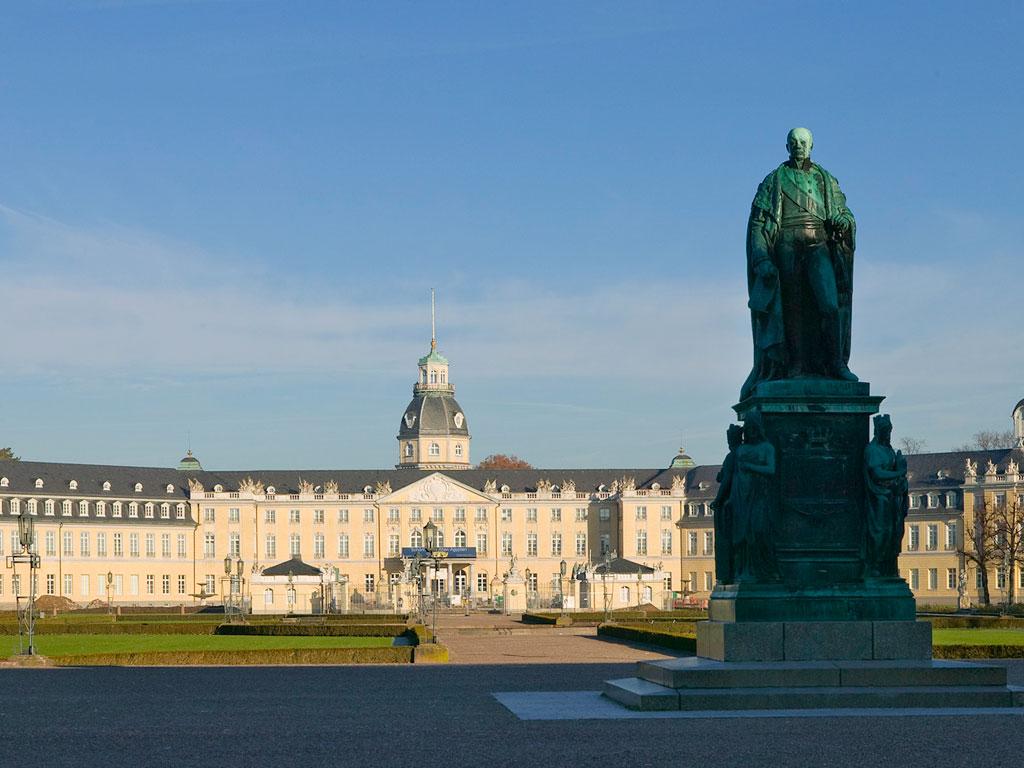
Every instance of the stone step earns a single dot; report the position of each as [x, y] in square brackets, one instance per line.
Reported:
[847, 697]
[638, 694]
[695, 672]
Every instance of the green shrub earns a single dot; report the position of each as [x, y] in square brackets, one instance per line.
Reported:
[430, 653]
[393, 655]
[645, 634]
[116, 628]
[978, 651]
[592, 618]
[314, 630]
[418, 634]
[975, 622]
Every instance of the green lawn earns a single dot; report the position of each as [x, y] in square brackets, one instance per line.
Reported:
[78, 645]
[978, 636]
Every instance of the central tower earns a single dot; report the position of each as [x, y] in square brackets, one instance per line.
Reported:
[433, 433]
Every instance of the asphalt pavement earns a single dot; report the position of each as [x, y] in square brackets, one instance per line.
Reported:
[432, 716]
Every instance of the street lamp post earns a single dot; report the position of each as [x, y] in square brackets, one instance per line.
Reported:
[110, 582]
[562, 570]
[604, 581]
[529, 575]
[233, 599]
[27, 555]
[430, 537]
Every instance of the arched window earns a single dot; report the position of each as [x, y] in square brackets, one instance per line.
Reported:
[416, 539]
[106, 485]
[291, 598]
[73, 485]
[138, 487]
[435, 449]
[4, 482]
[39, 482]
[648, 595]
[624, 595]
[408, 449]
[268, 597]
[460, 538]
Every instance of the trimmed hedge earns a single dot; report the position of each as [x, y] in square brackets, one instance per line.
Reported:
[598, 617]
[393, 655]
[430, 653]
[978, 651]
[646, 634]
[418, 634]
[114, 628]
[313, 630]
[975, 622]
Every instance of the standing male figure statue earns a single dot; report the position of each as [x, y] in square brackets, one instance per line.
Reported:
[800, 243]
[885, 480]
[752, 505]
[723, 510]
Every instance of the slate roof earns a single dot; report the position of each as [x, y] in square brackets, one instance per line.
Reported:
[435, 415]
[622, 566]
[56, 476]
[295, 566]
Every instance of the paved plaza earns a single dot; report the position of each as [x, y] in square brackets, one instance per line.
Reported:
[446, 715]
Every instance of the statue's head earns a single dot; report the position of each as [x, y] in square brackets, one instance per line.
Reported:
[799, 142]
[753, 427]
[734, 435]
[883, 427]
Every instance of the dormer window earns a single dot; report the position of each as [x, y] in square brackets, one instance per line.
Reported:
[106, 485]
[165, 511]
[83, 509]
[48, 507]
[655, 486]
[4, 482]
[170, 488]
[65, 508]
[219, 488]
[271, 490]
[39, 482]
[505, 489]
[367, 489]
[138, 487]
[73, 485]
[149, 509]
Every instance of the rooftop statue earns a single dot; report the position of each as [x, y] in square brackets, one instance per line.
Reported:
[800, 243]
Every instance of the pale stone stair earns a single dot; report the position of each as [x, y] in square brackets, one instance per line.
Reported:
[694, 684]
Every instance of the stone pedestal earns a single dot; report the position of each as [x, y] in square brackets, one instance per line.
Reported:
[514, 593]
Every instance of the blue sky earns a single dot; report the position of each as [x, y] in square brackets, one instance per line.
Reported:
[223, 219]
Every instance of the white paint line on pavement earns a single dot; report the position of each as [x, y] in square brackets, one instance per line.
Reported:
[591, 705]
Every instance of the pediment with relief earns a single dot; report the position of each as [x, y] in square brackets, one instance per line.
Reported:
[437, 489]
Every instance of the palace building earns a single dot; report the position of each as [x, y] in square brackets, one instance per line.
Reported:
[174, 536]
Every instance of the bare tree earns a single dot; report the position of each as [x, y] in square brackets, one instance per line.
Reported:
[1008, 516]
[988, 440]
[911, 445]
[981, 543]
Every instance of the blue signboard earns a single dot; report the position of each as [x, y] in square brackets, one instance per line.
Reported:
[441, 553]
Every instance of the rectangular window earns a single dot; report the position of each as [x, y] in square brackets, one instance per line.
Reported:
[394, 545]
[294, 516]
[641, 542]
[666, 512]
[179, 511]
[118, 545]
[68, 541]
[295, 545]
[68, 584]
[556, 545]
[506, 544]
[933, 500]
[481, 514]
[149, 510]
[932, 537]
[641, 513]
[269, 515]
[115, 509]
[709, 542]
[210, 587]
[101, 509]
[83, 509]
[951, 500]
[951, 579]
[709, 581]
[416, 515]
[182, 546]
[181, 584]
[604, 514]
[915, 582]
[370, 583]
[133, 584]
[666, 542]
[556, 515]
[165, 545]
[531, 515]
[209, 545]
[1000, 578]
[581, 544]
[481, 582]
[437, 514]
[270, 546]
[368, 545]
[318, 546]
[481, 544]
[150, 584]
[209, 515]
[368, 515]
[234, 545]
[83, 585]
[692, 509]
[914, 539]
[51, 544]
[83, 544]
[933, 578]
[51, 584]
[691, 543]
[150, 545]
[531, 545]
[343, 545]
[165, 511]
[165, 584]
[101, 545]
[506, 514]
[394, 515]
[234, 515]
[951, 535]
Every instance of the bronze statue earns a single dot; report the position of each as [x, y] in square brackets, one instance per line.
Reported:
[885, 480]
[752, 505]
[723, 510]
[800, 243]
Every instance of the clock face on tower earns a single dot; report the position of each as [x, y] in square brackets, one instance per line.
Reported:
[459, 419]
[410, 419]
